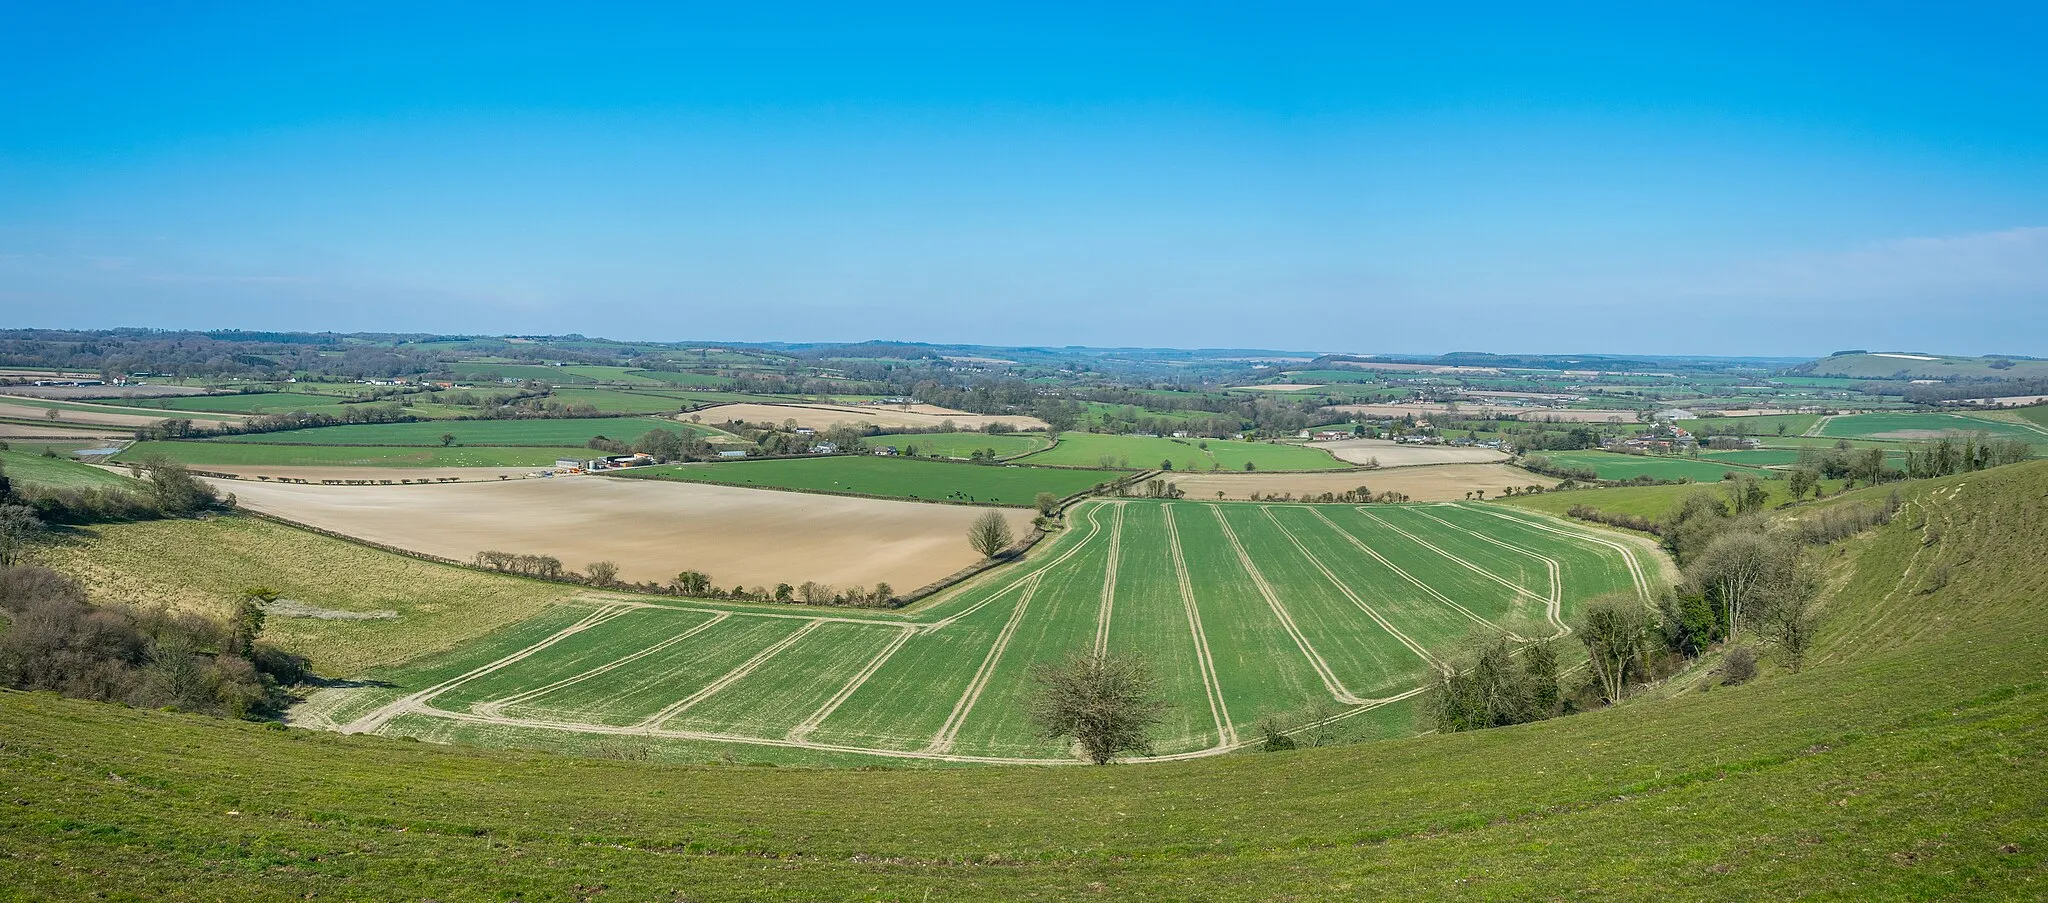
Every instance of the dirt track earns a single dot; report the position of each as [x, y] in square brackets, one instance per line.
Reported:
[1443, 482]
[819, 416]
[651, 529]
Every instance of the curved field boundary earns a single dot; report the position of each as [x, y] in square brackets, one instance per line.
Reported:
[1335, 581]
[1628, 555]
[943, 740]
[383, 714]
[1551, 603]
[1315, 659]
[1554, 604]
[498, 706]
[805, 727]
[1071, 551]
[1427, 590]
[728, 679]
[1102, 615]
[1226, 732]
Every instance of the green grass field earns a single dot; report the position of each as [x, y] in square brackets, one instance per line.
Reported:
[1145, 453]
[961, 445]
[551, 433]
[1928, 425]
[253, 403]
[1761, 426]
[651, 400]
[246, 454]
[1246, 611]
[1612, 466]
[26, 465]
[903, 478]
[1902, 763]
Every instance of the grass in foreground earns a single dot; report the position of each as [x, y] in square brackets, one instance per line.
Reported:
[902, 478]
[1903, 764]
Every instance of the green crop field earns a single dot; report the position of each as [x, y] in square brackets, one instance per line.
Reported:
[1761, 426]
[905, 478]
[213, 452]
[25, 464]
[651, 400]
[137, 407]
[1144, 453]
[471, 371]
[552, 433]
[961, 445]
[690, 380]
[1245, 611]
[1613, 466]
[1928, 425]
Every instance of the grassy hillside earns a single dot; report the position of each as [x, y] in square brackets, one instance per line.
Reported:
[1903, 764]
[1913, 365]
[32, 467]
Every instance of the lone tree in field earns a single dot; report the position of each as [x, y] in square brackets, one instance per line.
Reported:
[1108, 705]
[990, 534]
[447, 439]
[1047, 504]
[602, 573]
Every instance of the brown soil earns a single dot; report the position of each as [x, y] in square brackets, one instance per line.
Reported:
[1394, 454]
[1444, 482]
[394, 474]
[651, 529]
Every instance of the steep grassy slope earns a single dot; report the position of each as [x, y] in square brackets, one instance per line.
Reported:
[1905, 763]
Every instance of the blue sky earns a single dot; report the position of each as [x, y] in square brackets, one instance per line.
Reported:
[1684, 179]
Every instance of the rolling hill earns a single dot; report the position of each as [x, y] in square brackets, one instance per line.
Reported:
[1903, 762]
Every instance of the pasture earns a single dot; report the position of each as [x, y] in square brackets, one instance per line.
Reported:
[551, 433]
[1760, 425]
[1928, 425]
[250, 403]
[651, 528]
[962, 445]
[214, 453]
[1243, 611]
[903, 478]
[1614, 466]
[26, 465]
[1121, 452]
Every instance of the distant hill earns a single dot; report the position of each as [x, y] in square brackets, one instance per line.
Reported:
[1915, 365]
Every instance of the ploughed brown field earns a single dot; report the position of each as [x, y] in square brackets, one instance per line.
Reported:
[651, 529]
[821, 416]
[1443, 482]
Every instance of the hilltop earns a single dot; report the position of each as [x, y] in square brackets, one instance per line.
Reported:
[1904, 762]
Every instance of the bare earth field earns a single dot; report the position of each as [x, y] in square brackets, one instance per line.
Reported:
[821, 416]
[1559, 415]
[651, 529]
[1444, 482]
[1394, 454]
[87, 418]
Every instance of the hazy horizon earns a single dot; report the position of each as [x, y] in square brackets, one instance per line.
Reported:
[1720, 181]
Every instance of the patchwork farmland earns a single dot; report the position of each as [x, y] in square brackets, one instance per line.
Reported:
[1245, 612]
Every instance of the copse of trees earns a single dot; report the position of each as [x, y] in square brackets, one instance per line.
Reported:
[1490, 688]
[57, 640]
